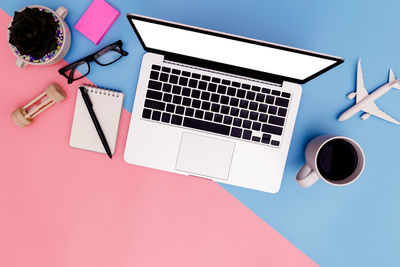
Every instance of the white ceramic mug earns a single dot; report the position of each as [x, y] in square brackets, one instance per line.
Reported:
[309, 173]
[60, 13]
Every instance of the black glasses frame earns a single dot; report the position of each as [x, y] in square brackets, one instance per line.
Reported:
[117, 47]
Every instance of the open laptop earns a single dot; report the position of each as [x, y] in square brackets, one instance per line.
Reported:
[215, 105]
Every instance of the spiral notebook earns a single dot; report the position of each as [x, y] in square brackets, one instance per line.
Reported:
[107, 105]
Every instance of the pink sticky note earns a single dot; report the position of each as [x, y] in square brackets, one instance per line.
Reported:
[97, 20]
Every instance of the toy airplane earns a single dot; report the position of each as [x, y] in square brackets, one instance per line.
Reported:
[365, 101]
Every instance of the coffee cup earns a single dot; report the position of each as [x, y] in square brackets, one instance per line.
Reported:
[65, 44]
[337, 160]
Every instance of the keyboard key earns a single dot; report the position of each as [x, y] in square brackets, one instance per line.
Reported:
[167, 87]
[206, 126]
[202, 85]
[193, 83]
[165, 69]
[246, 134]
[236, 132]
[216, 80]
[196, 103]
[199, 114]
[262, 108]
[189, 112]
[256, 139]
[196, 75]
[180, 110]
[208, 116]
[225, 109]
[275, 143]
[270, 99]
[175, 71]
[276, 120]
[218, 118]
[234, 102]
[154, 94]
[154, 85]
[266, 128]
[237, 122]
[226, 82]
[154, 75]
[155, 67]
[156, 115]
[235, 84]
[167, 98]
[206, 78]
[176, 119]
[164, 77]
[205, 95]
[282, 112]
[260, 97]
[272, 110]
[244, 114]
[215, 98]
[256, 88]
[228, 120]
[186, 91]
[282, 102]
[170, 108]
[266, 138]
[231, 91]
[166, 117]
[146, 114]
[173, 79]
[212, 87]
[186, 101]
[215, 108]
[186, 73]
[250, 95]
[177, 99]
[176, 89]
[245, 86]
[253, 116]
[244, 104]
[266, 90]
[183, 81]
[275, 92]
[263, 117]
[256, 126]
[241, 93]
[224, 100]
[246, 124]
[154, 104]
[234, 112]
[205, 105]
[253, 105]
[286, 95]
[195, 93]
[221, 89]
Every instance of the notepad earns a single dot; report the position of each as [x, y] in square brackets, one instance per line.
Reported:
[107, 105]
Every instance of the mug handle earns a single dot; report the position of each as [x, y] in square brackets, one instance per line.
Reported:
[306, 176]
[62, 12]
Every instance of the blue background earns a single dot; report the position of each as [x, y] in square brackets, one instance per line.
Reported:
[357, 225]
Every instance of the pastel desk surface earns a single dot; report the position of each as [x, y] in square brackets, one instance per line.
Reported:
[65, 207]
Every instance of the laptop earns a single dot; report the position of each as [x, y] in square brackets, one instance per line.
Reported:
[216, 106]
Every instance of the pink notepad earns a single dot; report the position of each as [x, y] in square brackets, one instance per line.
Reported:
[97, 20]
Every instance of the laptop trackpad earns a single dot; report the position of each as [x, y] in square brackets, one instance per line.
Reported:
[205, 156]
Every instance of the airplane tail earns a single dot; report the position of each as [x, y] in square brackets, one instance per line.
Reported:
[392, 78]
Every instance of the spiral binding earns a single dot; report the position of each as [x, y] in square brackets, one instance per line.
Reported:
[102, 91]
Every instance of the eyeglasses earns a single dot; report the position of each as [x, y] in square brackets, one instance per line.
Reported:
[103, 57]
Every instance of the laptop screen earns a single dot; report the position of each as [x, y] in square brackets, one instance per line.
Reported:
[286, 62]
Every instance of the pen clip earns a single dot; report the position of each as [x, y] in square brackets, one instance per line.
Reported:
[85, 95]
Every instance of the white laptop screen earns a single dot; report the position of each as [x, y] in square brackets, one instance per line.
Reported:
[233, 50]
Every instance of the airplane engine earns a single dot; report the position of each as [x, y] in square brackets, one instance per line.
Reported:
[351, 95]
[365, 116]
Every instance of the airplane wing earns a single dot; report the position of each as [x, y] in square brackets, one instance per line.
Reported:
[361, 91]
[373, 109]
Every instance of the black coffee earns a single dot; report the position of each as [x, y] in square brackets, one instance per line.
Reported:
[337, 160]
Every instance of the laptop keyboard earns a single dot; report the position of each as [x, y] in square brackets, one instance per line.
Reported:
[221, 106]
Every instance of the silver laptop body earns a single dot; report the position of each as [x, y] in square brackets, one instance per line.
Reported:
[216, 106]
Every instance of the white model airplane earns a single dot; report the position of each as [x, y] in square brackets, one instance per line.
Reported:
[365, 101]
